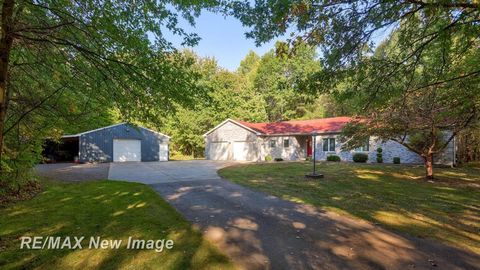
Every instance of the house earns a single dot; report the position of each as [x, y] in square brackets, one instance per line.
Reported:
[293, 140]
[117, 143]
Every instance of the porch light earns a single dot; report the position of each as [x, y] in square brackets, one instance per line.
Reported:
[314, 173]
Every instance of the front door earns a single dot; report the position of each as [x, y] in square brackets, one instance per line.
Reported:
[309, 146]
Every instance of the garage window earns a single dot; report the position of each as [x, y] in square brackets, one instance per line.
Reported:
[286, 143]
[272, 143]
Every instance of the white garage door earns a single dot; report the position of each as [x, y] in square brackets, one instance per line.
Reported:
[127, 150]
[243, 151]
[163, 152]
[218, 150]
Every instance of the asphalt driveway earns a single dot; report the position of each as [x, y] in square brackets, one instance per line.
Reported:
[264, 232]
[259, 231]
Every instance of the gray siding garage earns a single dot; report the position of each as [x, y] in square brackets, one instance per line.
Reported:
[122, 142]
[230, 141]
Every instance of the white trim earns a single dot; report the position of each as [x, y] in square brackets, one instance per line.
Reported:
[70, 136]
[102, 128]
[300, 134]
[93, 130]
[234, 122]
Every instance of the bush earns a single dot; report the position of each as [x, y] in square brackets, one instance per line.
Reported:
[268, 158]
[379, 155]
[278, 159]
[360, 157]
[334, 158]
[396, 160]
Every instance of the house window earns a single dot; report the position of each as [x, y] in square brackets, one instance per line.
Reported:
[329, 145]
[364, 148]
[286, 143]
[272, 143]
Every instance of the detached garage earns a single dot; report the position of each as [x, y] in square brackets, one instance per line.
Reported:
[117, 143]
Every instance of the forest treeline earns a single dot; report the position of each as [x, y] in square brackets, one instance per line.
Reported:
[263, 88]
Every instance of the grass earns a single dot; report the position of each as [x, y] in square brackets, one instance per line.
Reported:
[111, 210]
[394, 196]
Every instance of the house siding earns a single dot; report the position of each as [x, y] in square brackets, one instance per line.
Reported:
[225, 136]
[97, 146]
[295, 151]
[219, 146]
[390, 149]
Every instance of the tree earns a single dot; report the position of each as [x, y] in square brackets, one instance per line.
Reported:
[229, 95]
[425, 119]
[62, 62]
[277, 81]
[422, 82]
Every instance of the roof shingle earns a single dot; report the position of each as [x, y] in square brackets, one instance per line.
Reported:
[324, 125]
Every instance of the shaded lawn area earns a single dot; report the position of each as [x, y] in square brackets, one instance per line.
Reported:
[111, 210]
[394, 196]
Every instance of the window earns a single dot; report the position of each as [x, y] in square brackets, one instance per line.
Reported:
[272, 143]
[364, 148]
[286, 143]
[329, 145]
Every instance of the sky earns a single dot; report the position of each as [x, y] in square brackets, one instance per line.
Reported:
[221, 38]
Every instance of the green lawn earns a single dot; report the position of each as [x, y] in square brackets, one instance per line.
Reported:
[394, 196]
[109, 209]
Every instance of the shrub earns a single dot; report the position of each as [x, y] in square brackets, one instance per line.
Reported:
[360, 157]
[268, 158]
[309, 159]
[396, 160]
[379, 155]
[278, 159]
[334, 158]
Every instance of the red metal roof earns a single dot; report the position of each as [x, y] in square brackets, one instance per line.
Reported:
[324, 125]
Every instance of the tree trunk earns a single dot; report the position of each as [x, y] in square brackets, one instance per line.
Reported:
[428, 160]
[6, 40]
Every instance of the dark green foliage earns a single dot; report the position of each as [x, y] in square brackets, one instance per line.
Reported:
[278, 159]
[360, 157]
[379, 155]
[334, 158]
[422, 78]
[396, 160]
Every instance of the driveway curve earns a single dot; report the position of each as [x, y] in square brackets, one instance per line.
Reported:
[259, 231]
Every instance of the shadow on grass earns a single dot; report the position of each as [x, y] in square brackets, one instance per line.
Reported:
[110, 210]
[395, 196]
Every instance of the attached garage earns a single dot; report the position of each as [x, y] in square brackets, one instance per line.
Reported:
[219, 150]
[230, 140]
[122, 142]
[243, 150]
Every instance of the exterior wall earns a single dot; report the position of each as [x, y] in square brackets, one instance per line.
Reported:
[446, 157]
[296, 150]
[227, 134]
[259, 147]
[390, 149]
[97, 146]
